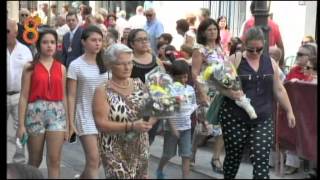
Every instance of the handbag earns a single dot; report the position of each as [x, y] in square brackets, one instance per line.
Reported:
[212, 114]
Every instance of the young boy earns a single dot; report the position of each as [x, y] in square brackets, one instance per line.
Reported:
[181, 122]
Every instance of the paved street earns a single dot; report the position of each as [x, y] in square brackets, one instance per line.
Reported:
[73, 162]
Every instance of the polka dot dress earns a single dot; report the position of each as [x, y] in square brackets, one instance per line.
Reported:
[237, 134]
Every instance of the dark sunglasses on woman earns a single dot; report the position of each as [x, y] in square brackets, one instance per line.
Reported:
[252, 50]
[299, 54]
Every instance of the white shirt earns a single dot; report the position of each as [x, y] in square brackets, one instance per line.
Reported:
[61, 31]
[121, 24]
[177, 41]
[181, 119]
[88, 78]
[15, 62]
[73, 32]
[137, 21]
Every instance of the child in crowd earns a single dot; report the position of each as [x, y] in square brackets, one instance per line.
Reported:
[276, 54]
[186, 52]
[181, 121]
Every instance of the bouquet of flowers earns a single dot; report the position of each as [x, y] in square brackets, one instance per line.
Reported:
[166, 97]
[160, 87]
[226, 75]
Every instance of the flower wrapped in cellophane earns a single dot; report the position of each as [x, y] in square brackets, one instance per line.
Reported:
[167, 96]
[160, 88]
[226, 75]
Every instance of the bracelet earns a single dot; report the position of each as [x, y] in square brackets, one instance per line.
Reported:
[126, 129]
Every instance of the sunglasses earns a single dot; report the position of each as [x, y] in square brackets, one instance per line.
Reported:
[148, 15]
[252, 50]
[24, 15]
[299, 54]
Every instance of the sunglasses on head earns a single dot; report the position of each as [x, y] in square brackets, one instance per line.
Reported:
[252, 50]
[299, 54]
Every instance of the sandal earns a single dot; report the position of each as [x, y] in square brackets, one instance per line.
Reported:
[214, 166]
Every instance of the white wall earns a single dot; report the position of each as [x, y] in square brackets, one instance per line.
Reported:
[13, 10]
[310, 25]
[290, 17]
[171, 11]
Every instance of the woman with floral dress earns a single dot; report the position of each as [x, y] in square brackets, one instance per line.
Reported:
[209, 51]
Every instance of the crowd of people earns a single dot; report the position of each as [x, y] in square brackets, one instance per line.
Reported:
[86, 76]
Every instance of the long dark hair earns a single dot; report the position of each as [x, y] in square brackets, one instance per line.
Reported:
[86, 33]
[201, 38]
[223, 17]
[235, 45]
[42, 31]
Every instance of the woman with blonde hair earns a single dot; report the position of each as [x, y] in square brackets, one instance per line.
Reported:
[100, 23]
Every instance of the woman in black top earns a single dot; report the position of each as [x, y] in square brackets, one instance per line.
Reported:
[260, 81]
[143, 62]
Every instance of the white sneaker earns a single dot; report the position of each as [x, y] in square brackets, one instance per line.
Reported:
[77, 176]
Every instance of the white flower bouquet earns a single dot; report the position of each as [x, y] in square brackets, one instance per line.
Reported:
[226, 75]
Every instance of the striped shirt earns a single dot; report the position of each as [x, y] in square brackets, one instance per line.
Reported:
[88, 78]
[181, 119]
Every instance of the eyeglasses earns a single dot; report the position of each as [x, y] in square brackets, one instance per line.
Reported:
[142, 40]
[309, 67]
[299, 54]
[252, 50]
[8, 31]
[24, 15]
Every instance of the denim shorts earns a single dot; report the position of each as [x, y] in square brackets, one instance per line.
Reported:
[44, 116]
[171, 142]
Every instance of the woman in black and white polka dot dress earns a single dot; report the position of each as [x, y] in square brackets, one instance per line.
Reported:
[260, 81]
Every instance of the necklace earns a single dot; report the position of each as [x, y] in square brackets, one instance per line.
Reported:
[121, 86]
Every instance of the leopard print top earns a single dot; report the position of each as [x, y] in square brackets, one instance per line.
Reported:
[123, 159]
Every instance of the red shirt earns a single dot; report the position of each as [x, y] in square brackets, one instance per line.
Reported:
[296, 72]
[44, 85]
[274, 32]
